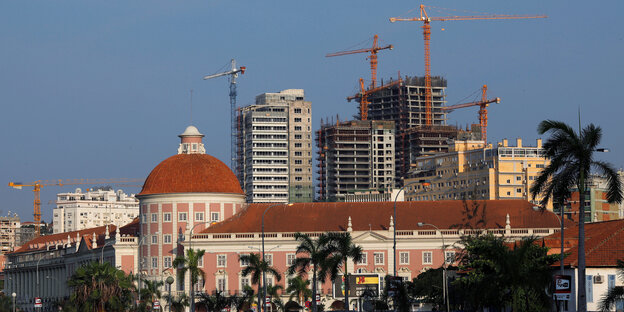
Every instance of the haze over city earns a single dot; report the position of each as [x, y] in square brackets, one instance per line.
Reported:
[102, 89]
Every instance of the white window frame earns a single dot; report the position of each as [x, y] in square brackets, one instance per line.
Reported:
[221, 260]
[155, 262]
[167, 217]
[200, 261]
[167, 239]
[199, 216]
[212, 217]
[269, 259]
[379, 256]
[403, 254]
[243, 263]
[290, 259]
[221, 283]
[427, 257]
[364, 259]
[154, 239]
[154, 218]
[180, 218]
[241, 284]
[167, 262]
[449, 256]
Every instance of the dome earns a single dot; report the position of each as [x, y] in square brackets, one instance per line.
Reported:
[191, 131]
[191, 173]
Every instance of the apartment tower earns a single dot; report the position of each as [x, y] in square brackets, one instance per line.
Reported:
[275, 148]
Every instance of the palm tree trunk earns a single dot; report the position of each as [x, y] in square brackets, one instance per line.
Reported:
[260, 299]
[314, 289]
[346, 276]
[581, 295]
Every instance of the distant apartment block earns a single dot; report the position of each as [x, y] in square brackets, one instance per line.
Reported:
[80, 210]
[275, 148]
[9, 226]
[473, 170]
[596, 206]
[355, 156]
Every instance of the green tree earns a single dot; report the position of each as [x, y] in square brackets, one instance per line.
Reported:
[6, 302]
[100, 287]
[190, 264]
[178, 303]
[427, 287]
[571, 157]
[214, 303]
[341, 249]
[255, 267]
[149, 293]
[311, 254]
[274, 292]
[615, 294]
[299, 288]
[498, 276]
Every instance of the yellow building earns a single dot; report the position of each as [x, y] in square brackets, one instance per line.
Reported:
[472, 170]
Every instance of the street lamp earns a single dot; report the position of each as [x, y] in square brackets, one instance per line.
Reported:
[424, 183]
[38, 287]
[444, 281]
[14, 295]
[169, 281]
[263, 273]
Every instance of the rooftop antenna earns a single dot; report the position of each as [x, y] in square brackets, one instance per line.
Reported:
[191, 106]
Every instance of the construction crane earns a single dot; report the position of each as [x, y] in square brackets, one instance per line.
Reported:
[37, 185]
[362, 96]
[426, 19]
[483, 104]
[233, 74]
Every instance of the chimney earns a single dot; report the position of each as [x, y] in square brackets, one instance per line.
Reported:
[518, 142]
[539, 143]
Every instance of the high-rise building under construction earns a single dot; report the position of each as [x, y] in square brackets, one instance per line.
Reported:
[275, 148]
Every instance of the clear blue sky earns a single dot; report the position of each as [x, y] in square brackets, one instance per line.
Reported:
[100, 89]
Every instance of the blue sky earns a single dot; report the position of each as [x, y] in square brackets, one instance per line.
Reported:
[100, 89]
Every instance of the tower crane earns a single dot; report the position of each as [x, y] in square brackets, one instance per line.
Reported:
[426, 19]
[233, 74]
[37, 185]
[362, 96]
[483, 104]
[373, 65]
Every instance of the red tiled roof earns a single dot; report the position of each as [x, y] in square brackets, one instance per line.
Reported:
[41, 242]
[604, 244]
[320, 217]
[191, 173]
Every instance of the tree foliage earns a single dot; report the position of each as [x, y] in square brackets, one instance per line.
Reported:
[341, 249]
[615, 294]
[190, 264]
[100, 286]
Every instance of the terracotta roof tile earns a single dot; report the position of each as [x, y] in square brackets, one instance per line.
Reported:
[191, 173]
[320, 217]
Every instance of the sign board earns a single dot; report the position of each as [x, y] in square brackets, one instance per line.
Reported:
[307, 303]
[318, 298]
[563, 287]
[267, 301]
[38, 302]
[358, 285]
[394, 282]
[156, 305]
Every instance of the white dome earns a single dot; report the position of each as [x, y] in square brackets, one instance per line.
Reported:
[191, 131]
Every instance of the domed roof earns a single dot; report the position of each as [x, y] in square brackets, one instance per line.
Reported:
[191, 131]
[191, 173]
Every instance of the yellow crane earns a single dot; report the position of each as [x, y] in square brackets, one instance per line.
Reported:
[37, 185]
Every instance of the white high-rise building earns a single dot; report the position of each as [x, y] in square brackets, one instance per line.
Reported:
[97, 207]
[275, 148]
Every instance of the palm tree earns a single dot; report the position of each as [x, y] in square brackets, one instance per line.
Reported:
[100, 286]
[214, 303]
[178, 303]
[299, 288]
[311, 253]
[571, 161]
[190, 263]
[615, 294]
[341, 248]
[255, 267]
[151, 292]
[273, 292]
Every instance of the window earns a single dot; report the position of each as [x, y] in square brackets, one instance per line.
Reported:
[244, 282]
[290, 259]
[379, 257]
[221, 285]
[298, 162]
[508, 193]
[214, 217]
[268, 258]
[449, 256]
[221, 260]
[427, 257]
[297, 136]
[199, 216]
[297, 119]
[297, 110]
[244, 262]
[519, 190]
[518, 178]
[298, 154]
[363, 261]
[154, 239]
[182, 216]
[297, 144]
[167, 262]
[200, 261]
[610, 281]
[508, 181]
[589, 286]
[297, 128]
[404, 257]
[154, 217]
[167, 239]
[167, 217]
[154, 262]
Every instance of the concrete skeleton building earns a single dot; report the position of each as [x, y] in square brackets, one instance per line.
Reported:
[355, 156]
[9, 230]
[96, 207]
[474, 170]
[275, 148]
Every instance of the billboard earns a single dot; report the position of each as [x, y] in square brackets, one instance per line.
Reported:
[359, 285]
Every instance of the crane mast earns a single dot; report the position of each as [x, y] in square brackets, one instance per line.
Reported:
[233, 74]
[483, 104]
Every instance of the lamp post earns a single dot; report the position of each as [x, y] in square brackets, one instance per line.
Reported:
[39, 287]
[169, 281]
[14, 295]
[425, 183]
[444, 282]
[264, 273]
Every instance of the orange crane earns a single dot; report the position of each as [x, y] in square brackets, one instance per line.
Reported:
[483, 104]
[373, 65]
[362, 96]
[424, 17]
[37, 185]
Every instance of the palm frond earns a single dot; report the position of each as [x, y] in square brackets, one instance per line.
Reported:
[614, 184]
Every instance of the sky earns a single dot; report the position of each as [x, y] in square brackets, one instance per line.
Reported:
[101, 89]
